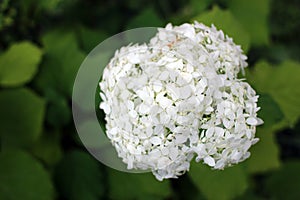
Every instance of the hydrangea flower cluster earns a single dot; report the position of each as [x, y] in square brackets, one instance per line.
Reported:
[178, 98]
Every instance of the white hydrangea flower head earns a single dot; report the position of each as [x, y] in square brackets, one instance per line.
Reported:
[227, 57]
[150, 109]
[179, 97]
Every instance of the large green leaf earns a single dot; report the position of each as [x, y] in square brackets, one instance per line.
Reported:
[90, 38]
[58, 110]
[224, 20]
[270, 111]
[199, 6]
[48, 148]
[62, 60]
[22, 177]
[219, 184]
[22, 115]
[19, 64]
[253, 15]
[125, 186]
[264, 154]
[78, 177]
[285, 183]
[282, 83]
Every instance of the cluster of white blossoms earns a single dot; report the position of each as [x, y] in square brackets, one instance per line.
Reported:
[177, 98]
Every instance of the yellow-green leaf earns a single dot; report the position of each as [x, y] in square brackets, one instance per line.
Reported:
[19, 64]
[264, 154]
[253, 15]
[224, 20]
[282, 83]
[219, 184]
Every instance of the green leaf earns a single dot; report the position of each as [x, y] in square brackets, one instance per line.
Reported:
[253, 15]
[62, 60]
[199, 6]
[22, 115]
[219, 184]
[285, 182]
[147, 18]
[22, 177]
[48, 148]
[270, 112]
[265, 154]
[89, 38]
[78, 177]
[125, 186]
[58, 111]
[19, 64]
[224, 20]
[281, 82]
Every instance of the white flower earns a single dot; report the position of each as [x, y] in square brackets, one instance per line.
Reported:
[179, 97]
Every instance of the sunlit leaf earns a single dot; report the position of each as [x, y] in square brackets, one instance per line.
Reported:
[253, 15]
[19, 64]
[125, 186]
[21, 116]
[78, 177]
[270, 111]
[264, 154]
[219, 184]
[22, 177]
[224, 20]
[281, 82]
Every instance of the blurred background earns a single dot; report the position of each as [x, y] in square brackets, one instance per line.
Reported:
[43, 43]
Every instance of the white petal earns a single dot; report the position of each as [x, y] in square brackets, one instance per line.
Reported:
[251, 121]
[144, 109]
[185, 92]
[103, 97]
[105, 107]
[132, 113]
[163, 162]
[157, 87]
[187, 76]
[163, 101]
[209, 132]
[219, 131]
[209, 160]
[130, 105]
[180, 139]
[143, 94]
[164, 75]
[173, 153]
[175, 65]
[202, 58]
[155, 140]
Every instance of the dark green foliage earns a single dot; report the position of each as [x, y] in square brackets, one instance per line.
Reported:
[78, 176]
[44, 42]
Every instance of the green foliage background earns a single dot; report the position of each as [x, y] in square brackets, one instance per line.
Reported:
[42, 44]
